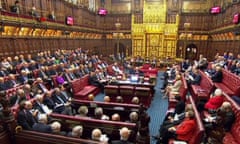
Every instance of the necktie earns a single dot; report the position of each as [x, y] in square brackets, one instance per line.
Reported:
[60, 99]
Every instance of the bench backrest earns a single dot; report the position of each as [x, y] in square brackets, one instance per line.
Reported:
[232, 81]
[183, 88]
[206, 83]
[24, 137]
[123, 110]
[199, 131]
[111, 128]
[84, 80]
[235, 131]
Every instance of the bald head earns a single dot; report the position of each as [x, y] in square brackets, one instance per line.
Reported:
[124, 133]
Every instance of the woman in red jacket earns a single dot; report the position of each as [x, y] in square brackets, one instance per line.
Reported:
[184, 130]
[215, 101]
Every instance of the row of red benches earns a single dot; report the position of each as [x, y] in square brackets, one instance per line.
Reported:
[81, 88]
[111, 128]
[127, 92]
[197, 135]
[230, 85]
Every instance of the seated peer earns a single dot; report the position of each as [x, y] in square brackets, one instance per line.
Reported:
[3, 84]
[38, 86]
[116, 69]
[116, 117]
[133, 117]
[194, 78]
[185, 65]
[99, 114]
[12, 82]
[178, 111]
[18, 98]
[169, 121]
[91, 97]
[183, 131]
[56, 128]
[28, 91]
[42, 125]
[174, 89]
[93, 80]
[48, 101]
[25, 118]
[96, 134]
[215, 101]
[222, 124]
[107, 99]
[40, 106]
[137, 71]
[218, 75]
[83, 111]
[135, 100]
[76, 132]
[62, 103]
[124, 135]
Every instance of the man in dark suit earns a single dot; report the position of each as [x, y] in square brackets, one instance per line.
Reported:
[38, 105]
[124, 135]
[93, 80]
[194, 78]
[12, 82]
[218, 75]
[3, 85]
[25, 118]
[62, 104]
[42, 126]
[18, 98]
[24, 77]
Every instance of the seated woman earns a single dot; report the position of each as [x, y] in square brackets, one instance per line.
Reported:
[215, 101]
[183, 131]
[174, 89]
[222, 124]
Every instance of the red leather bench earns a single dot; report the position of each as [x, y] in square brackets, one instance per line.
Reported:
[24, 137]
[109, 108]
[127, 92]
[148, 71]
[198, 133]
[111, 128]
[112, 91]
[144, 94]
[81, 88]
[233, 136]
[204, 90]
[230, 83]
[182, 92]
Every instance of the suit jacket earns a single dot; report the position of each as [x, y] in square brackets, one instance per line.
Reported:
[217, 77]
[23, 79]
[40, 127]
[185, 129]
[3, 86]
[15, 99]
[121, 142]
[197, 79]
[25, 119]
[11, 83]
[93, 80]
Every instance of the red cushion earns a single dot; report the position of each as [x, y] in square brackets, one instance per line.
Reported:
[85, 91]
[229, 139]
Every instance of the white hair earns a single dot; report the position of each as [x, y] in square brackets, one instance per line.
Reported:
[218, 92]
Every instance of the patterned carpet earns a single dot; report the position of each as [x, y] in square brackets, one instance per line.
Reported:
[156, 110]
